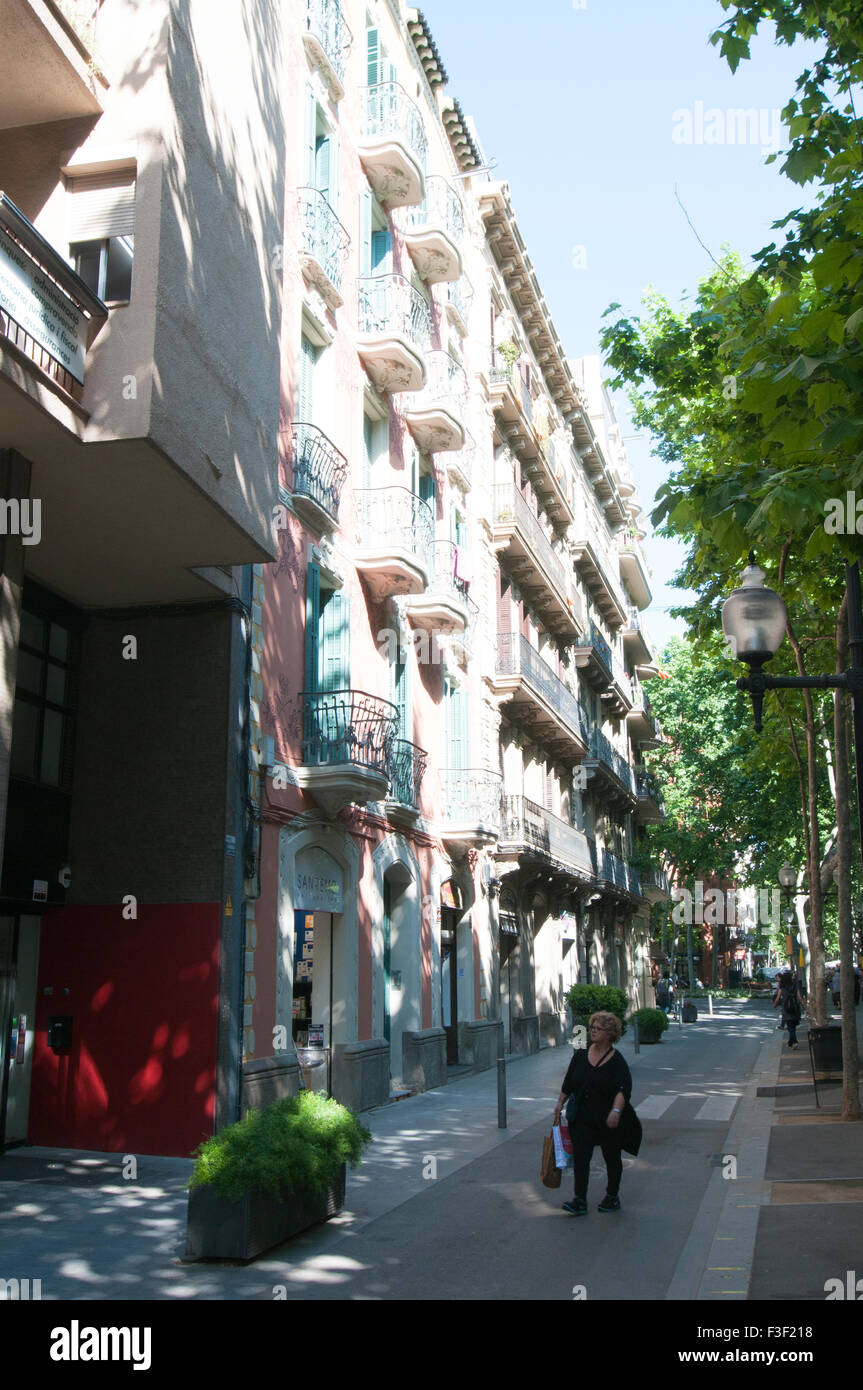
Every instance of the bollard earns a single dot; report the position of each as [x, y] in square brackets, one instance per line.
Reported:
[679, 1014]
[710, 1004]
[635, 1029]
[501, 1093]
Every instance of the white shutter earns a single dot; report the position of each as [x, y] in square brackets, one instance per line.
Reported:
[101, 205]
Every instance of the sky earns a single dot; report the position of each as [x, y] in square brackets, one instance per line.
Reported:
[601, 114]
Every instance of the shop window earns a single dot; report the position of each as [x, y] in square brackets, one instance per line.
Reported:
[44, 712]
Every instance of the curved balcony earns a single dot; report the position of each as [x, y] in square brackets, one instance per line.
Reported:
[393, 146]
[636, 641]
[319, 474]
[614, 774]
[407, 769]
[394, 331]
[434, 231]
[444, 605]
[460, 464]
[599, 566]
[538, 569]
[472, 806]
[538, 698]
[593, 656]
[650, 805]
[347, 747]
[435, 415]
[633, 570]
[325, 38]
[642, 725]
[395, 546]
[458, 298]
[324, 246]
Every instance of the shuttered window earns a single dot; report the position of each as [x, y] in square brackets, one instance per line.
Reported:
[101, 205]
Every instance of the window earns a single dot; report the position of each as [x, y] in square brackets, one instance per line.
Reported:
[43, 718]
[322, 153]
[101, 226]
[327, 635]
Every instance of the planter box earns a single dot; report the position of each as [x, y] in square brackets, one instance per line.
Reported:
[219, 1228]
[825, 1043]
[646, 1039]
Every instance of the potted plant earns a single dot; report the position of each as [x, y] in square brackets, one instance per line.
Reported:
[584, 1000]
[652, 1023]
[272, 1174]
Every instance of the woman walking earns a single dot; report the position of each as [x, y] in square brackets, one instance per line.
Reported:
[595, 1090]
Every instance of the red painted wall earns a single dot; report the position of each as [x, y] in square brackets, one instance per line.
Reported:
[140, 1074]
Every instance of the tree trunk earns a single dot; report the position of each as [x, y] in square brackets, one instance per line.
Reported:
[850, 1062]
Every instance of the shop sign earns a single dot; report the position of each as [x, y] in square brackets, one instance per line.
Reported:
[319, 882]
[41, 307]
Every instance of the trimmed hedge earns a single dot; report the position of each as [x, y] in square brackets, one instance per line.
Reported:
[649, 1021]
[584, 1000]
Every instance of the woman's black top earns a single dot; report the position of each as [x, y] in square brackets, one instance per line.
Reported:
[594, 1088]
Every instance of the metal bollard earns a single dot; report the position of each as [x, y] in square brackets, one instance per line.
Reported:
[679, 1014]
[501, 1093]
[635, 1030]
[710, 1004]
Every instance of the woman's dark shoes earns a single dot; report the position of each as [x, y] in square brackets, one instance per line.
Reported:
[577, 1207]
[609, 1203]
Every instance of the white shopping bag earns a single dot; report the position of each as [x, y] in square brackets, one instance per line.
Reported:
[562, 1159]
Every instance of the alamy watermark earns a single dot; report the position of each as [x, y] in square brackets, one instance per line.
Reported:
[711, 125]
[844, 515]
[715, 907]
[21, 516]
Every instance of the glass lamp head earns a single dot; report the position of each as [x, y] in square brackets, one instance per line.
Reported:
[753, 619]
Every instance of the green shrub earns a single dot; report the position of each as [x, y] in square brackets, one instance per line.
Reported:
[585, 1000]
[297, 1143]
[649, 1021]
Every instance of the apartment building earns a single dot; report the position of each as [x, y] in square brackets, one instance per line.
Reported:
[451, 706]
[142, 155]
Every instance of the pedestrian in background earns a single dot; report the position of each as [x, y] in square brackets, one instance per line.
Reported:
[788, 997]
[836, 987]
[596, 1091]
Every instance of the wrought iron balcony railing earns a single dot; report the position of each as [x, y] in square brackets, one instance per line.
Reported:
[515, 656]
[618, 872]
[526, 823]
[446, 579]
[393, 516]
[389, 304]
[323, 236]
[439, 208]
[446, 384]
[458, 296]
[599, 644]
[325, 22]
[605, 752]
[319, 468]
[509, 504]
[348, 726]
[390, 113]
[462, 460]
[655, 878]
[648, 788]
[472, 797]
[407, 769]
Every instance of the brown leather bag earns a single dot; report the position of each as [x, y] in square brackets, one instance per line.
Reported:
[549, 1173]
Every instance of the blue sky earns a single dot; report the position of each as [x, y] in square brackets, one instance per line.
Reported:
[579, 104]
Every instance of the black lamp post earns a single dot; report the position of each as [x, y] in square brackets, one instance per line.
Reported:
[753, 620]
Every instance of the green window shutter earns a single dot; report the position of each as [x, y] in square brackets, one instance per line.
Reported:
[382, 245]
[323, 153]
[335, 641]
[400, 695]
[428, 489]
[311, 136]
[313, 620]
[458, 728]
[366, 232]
[373, 46]
[306, 391]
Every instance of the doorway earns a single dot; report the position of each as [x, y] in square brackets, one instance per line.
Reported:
[449, 982]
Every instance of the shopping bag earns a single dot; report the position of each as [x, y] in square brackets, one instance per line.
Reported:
[549, 1173]
[561, 1157]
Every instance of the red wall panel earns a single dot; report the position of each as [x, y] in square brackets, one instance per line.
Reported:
[140, 1074]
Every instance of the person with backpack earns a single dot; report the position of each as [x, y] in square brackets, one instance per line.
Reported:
[788, 997]
[663, 993]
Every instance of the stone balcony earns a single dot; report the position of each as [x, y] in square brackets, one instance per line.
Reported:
[394, 552]
[348, 739]
[443, 606]
[538, 698]
[319, 472]
[540, 571]
[324, 246]
[472, 805]
[393, 146]
[394, 332]
[433, 233]
[535, 834]
[326, 39]
[435, 415]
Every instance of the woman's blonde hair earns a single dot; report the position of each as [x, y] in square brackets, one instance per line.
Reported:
[609, 1022]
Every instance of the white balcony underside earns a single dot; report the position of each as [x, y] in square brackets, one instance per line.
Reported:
[469, 834]
[315, 274]
[392, 362]
[337, 785]
[435, 256]
[319, 58]
[392, 171]
[635, 579]
[437, 613]
[387, 570]
[435, 429]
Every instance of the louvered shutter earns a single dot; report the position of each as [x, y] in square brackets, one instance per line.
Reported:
[306, 392]
[366, 232]
[323, 169]
[335, 641]
[313, 619]
[311, 136]
[100, 206]
[374, 57]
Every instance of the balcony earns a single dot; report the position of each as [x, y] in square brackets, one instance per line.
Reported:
[617, 699]
[540, 572]
[472, 805]
[407, 769]
[592, 655]
[458, 298]
[348, 739]
[599, 566]
[324, 246]
[319, 472]
[537, 696]
[641, 724]
[535, 834]
[460, 464]
[393, 146]
[326, 38]
[654, 885]
[435, 415]
[395, 327]
[443, 607]
[614, 774]
[633, 570]
[650, 806]
[48, 316]
[396, 537]
[49, 73]
[433, 233]
[613, 870]
[636, 643]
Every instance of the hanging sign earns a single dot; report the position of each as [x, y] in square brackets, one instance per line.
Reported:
[41, 307]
